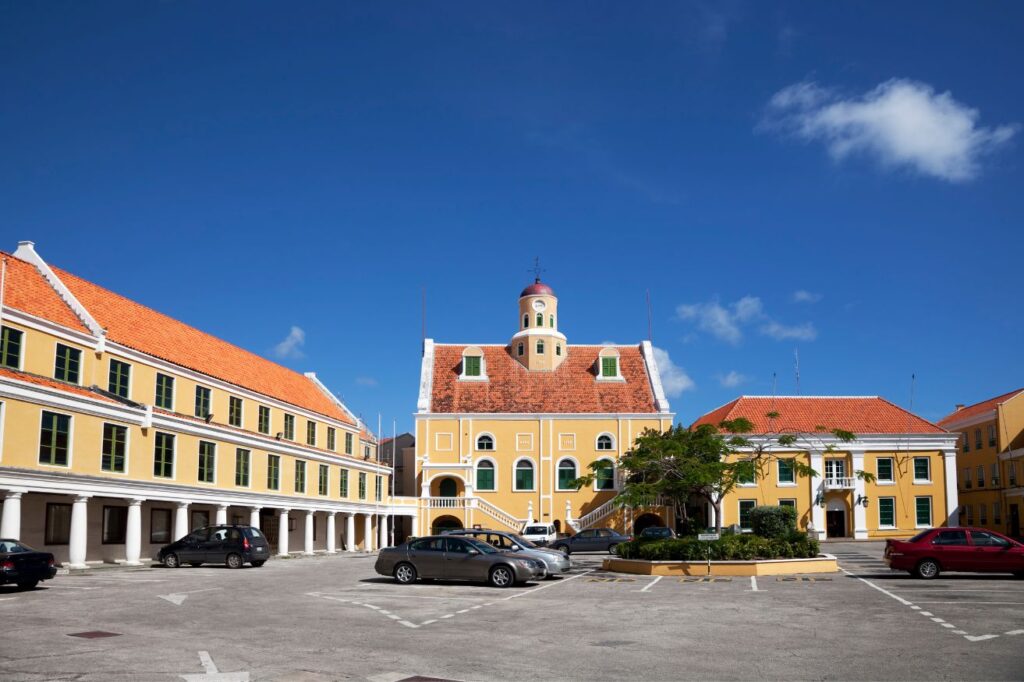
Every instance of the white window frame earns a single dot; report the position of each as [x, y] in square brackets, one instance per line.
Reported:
[892, 469]
[778, 474]
[931, 511]
[24, 345]
[216, 461]
[71, 440]
[515, 465]
[894, 523]
[473, 352]
[922, 481]
[751, 484]
[174, 390]
[994, 474]
[615, 479]
[127, 448]
[739, 514]
[81, 362]
[575, 463]
[175, 440]
[249, 476]
[597, 442]
[476, 442]
[609, 352]
[242, 412]
[131, 376]
[476, 466]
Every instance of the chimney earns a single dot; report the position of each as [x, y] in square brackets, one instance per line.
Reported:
[959, 407]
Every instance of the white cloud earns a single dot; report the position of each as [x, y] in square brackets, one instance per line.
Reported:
[804, 296]
[367, 381]
[899, 123]
[732, 379]
[674, 379]
[727, 322]
[291, 347]
[782, 332]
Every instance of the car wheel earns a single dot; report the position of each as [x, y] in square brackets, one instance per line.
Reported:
[611, 547]
[259, 563]
[564, 549]
[405, 573]
[234, 561]
[927, 569]
[28, 585]
[171, 561]
[502, 576]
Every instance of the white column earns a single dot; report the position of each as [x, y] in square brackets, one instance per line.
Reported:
[78, 544]
[133, 533]
[529, 511]
[181, 521]
[10, 523]
[860, 512]
[308, 539]
[221, 518]
[367, 532]
[817, 511]
[382, 530]
[331, 533]
[254, 517]
[282, 533]
[568, 513]
[952, 499]
[350, 532]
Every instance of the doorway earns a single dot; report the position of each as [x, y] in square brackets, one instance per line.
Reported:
[835, 523]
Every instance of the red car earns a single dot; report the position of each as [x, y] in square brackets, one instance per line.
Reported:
[955, 549]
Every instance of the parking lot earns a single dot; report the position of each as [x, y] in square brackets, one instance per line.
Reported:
[327, 618]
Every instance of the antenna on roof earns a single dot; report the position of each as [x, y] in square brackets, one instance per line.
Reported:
[536, 269]
[796, 367]
[650, 323]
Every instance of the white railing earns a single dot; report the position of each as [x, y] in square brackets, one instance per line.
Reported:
[592, 517]
[847, 483]
[500, 515]
[447, 502]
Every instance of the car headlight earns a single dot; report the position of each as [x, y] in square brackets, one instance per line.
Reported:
[526, 563]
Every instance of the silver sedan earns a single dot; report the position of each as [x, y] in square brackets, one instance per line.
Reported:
[442, 557]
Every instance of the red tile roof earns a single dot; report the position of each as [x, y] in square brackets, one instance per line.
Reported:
[977, 408]
[865, 415]
[144, 329]
[27, 291]
[570, 389]
[53, 383]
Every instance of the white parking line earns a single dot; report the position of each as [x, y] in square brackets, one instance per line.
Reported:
[753, 584]
[544, 587]
[964, 601]
[652, 583]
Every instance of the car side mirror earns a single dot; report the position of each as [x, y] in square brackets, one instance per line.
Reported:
[516, 548]
[473, 551]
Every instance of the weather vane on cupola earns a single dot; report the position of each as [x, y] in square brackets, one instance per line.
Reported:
[536, 269]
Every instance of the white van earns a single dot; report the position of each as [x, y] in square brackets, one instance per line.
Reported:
[542, 534]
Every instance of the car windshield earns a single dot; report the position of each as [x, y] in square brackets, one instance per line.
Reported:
[253, 532]
[11, 547]
[522, 542]
[482, 546]
[536, 530]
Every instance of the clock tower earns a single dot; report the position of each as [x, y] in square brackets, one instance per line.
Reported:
[538, 345]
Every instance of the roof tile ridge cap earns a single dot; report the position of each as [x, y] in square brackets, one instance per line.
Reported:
[27, 253]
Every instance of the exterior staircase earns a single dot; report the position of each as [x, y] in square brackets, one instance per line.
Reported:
[500, 515]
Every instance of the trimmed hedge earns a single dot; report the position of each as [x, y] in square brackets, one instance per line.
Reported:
[773, 522]
[795, 545]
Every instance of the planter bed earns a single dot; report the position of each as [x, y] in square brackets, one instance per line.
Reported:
[823, 563]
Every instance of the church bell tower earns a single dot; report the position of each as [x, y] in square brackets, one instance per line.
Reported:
[538, 345]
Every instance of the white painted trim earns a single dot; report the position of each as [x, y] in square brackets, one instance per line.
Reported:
[46, 326]
[654, 375]
[426, 377]
[536, 331]
[779, 483]
[530, 449]
[515, 463]
[913, 470]
[558, 463]
[973, 420]
[567, 433]
[437, 442]
[26, 251]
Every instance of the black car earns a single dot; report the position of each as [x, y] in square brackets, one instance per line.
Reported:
[656, 533]
[228, 545]
[23, 565]
[591, 540]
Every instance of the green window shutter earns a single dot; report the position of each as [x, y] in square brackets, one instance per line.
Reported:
[885, 469]
[362, 485]
[485, 478]
[472, 365]
[10, 347]
[923, 508]
[310, 433]
[540, 319]
[609, 367]
[524, 477]
[234, 411]
[322, 483]
[921, 468]
[202, 402]
[566, 475]
[786, 471]
[886, 511]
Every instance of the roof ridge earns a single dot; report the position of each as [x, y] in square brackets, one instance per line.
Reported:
[915, 416]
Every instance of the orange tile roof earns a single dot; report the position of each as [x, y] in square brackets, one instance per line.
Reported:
[977, 408]
[869, 414]
[144, 329]
[53, 383]
[570, 389]
[26, 290]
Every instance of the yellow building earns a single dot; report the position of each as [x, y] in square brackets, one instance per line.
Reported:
[122, 429]
[502, 429]
[990, 459]
[913, 463]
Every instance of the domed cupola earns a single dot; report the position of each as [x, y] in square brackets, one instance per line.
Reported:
[538, 345]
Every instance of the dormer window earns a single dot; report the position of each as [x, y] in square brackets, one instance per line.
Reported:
[474, 368]
[540, 348]
[608, 365]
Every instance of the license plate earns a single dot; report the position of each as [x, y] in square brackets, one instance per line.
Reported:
[259, 549]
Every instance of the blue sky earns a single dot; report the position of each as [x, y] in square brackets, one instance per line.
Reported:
[839, 178]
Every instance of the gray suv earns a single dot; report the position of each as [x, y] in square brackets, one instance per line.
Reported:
[444, 557]
[555, 562]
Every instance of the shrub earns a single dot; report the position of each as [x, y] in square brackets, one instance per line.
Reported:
[773, 522]
[728, 548]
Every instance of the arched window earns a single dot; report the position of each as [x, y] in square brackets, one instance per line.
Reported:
[485, 475]
[540, 348]
[448, 487]
[474, 365]
[604, 475]
[524, 475]
[540, 319]
[520, 349]
[526, 320]
[605, 442]
[485, 442]
[566, 474]
[551, 321]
